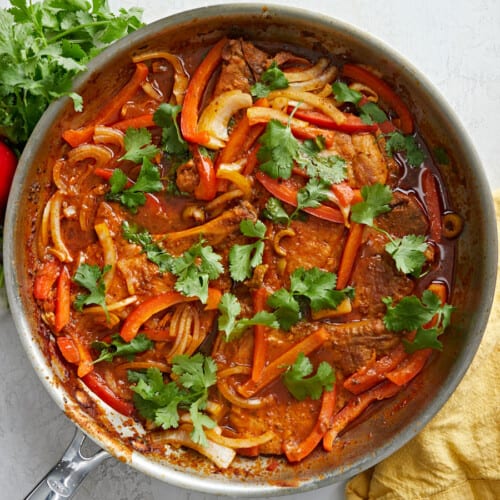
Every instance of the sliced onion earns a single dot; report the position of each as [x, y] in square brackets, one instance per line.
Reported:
[322, 103]
[236, 400]
[182, 326]
[220, 455]
[101, 154]
[114, 306]
[180, 77]
[309, 73]
[43, 238]
[260, 114]
[215, 117]
[318, 82]
[109, 249]
[236, 443]
[62, 251]
[109, 135]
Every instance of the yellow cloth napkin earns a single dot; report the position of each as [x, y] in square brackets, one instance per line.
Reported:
[457, 455]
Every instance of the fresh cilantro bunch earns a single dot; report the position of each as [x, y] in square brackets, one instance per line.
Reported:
[369, 112]
[314, 287]
[298, 381]
[43, 47]
[230, 309]
[160, 402]
[92, 278]
[271, 79]
[412, 313]
[118, 347]
[244, 258]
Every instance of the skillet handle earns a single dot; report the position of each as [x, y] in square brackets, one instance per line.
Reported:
[61, 482]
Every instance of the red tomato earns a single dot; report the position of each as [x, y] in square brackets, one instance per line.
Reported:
[8, 163]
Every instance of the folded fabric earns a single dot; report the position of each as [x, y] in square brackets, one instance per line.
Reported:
[457, 455]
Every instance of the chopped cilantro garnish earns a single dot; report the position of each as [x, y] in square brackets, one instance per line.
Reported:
[312, 194]
[138, 145]
[408, 253]
[275, 212]
[134, 196]
[411, 313]
[405, 143]
[301, 385]
[160, 402]
[154, 252]
[376, 199]
[315, 286]
[343, 93]
[92, 278]
[166, 117]
[118, 347]
[244, 258]
[370, 113]
[271, 79]
[195, 268]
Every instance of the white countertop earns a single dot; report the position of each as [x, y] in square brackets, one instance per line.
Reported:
[456, 43]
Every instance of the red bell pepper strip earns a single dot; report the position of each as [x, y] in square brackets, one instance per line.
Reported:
[259, 336]
[368, 376]
[351, 125]
[97, 385]
[143, 121]
[307, 446]
[68, 349]
[110, 112]
[288, 195]
[384, 91]
[433, 203]
[194, 94]
[355, 407]
[45, 278]
[8, 164]
[274, 369]
[207, 187]
[349, 254]
[63, 300]
[410, 367]
[156, 304]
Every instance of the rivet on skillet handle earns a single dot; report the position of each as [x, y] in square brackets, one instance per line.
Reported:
[62, 481]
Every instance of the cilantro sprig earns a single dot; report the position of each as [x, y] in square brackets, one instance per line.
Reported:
[43, 46]
[397, 142]
[228, 322]
[244, 258]
[271, 79]
[314, 287]
[166, 117]
[91, 277]
[118, 347]
[301, 385]
[412, 313]
[161, 402]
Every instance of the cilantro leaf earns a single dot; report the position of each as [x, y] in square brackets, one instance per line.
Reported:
[92, 278]
[278, 151]
[301, 385]
[376, 199]
[286, 308]
[275, 212]
[408, 253]
[312, 194]
[405, 143]
[138, 145]
[43, 46]
[230, 309]
[253, 229]
[166, 118]
[195, 268]
[370, 113]
[154, 252]
[271, 79]
[118, 347]
[343, 93]
[148, 181]
[412, 313]
[160, 402]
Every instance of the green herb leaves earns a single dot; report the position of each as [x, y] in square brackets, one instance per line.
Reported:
[160, 402]
[43, 46]
[92, 278]
[408, 253]
[301, 385]
[412, 313]
[376, 199]
[405, 143]
[166, 118]
[118, 347]
[272, 79]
